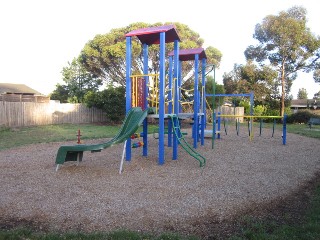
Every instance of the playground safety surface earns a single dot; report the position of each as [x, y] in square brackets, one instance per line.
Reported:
[241, 177]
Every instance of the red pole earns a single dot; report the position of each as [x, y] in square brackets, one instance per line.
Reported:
[79, 135]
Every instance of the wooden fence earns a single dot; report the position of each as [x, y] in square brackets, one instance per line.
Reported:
[18, 114]
[24, 98]
[226, 110]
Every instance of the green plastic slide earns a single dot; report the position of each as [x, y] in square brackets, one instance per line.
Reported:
[183, 142]
[132, 122]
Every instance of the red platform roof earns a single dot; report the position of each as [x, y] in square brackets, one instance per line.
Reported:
[189, 54]
[152, 35]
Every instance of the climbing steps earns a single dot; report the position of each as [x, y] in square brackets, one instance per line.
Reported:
[190, 150]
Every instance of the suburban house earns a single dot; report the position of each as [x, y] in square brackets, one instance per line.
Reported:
[11, 92]
[300, 104]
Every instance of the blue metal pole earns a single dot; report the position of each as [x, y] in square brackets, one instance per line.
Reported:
[161, 97]
[176, 75]
[203, 100]
[251, 112]
[145, 122]
[284, 130]
[195, 103]
[128, 91]
[170, 94]
[204, 104]
[213, 129]
[213, 105]
[179, 80]
[219, 124]
[251, 103]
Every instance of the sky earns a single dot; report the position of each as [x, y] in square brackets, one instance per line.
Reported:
[39, 38]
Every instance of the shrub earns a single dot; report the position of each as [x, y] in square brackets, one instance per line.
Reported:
[111, 100]
[300, 117]
[246, 105]
[259, 110]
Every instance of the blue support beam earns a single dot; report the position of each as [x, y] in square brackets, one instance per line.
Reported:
[161, 97]
[203, 100]
[170, 96]
[128, 90]
[179, 80]
[214, 119]
[145, 122]
[251, 103]
[219, 125]
[195, 103]
[176, 96]
[284, 129]
[204, 103]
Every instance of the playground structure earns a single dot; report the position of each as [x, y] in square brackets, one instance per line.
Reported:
[150, 90]
[145, 93]
[159, 96]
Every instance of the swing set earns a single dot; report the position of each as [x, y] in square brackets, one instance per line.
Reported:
[217, 117]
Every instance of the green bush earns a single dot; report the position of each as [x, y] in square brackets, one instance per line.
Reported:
[111, 100]
[287, 111]
[259, 110]
[273, 112]
[300, 117]
[246, 105]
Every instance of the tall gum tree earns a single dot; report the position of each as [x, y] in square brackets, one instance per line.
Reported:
[104, 55]
[287, 45]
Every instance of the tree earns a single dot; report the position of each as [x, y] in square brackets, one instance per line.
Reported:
[61, 93]
[316, 75]
[219, 89]
[316, 96]
[111, 100]
[104, 55]
[302, 93]
[79, 81]
[248, 78]
[286, 43]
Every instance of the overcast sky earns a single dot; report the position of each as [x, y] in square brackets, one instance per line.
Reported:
[39, 37]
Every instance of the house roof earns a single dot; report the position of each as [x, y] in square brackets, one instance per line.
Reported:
[189, 54]
[303, 103]
[11, 88]
[151, 35]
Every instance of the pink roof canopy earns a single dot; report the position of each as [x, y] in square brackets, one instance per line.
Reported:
[189, 54]
[152, 35]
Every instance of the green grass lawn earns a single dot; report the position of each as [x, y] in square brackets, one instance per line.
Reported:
[23, 234]
[10, 138]
[304, 130]
[307, 230]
